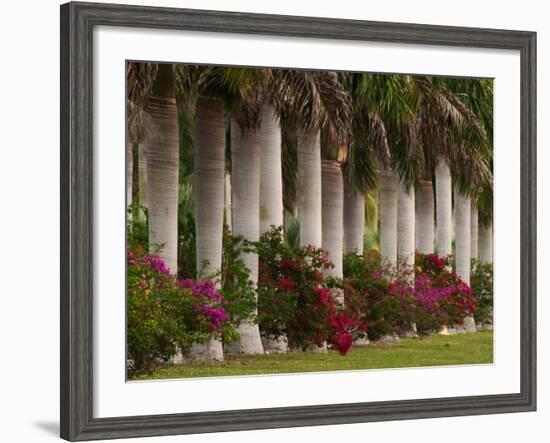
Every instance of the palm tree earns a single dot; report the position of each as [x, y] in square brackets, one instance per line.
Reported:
[209, 180]
[129, 173]
[354, 219]
[142, 176]
[388, 217]
[462, 236]
[474, 149]
[477, 95]
[452, 143]
[389, 95]
[309, 101]
[208, 189]
[140, 79]
[367, 147]
[245, 170]
[163, 168]
[444, 205]
[228, 211]
[310, 185]
[486, 243]
[405, 226]
[462, 254]
[332, 214]
[474, 230]
[214, 88]
[485, 223]
[424, 223]
[271, 182]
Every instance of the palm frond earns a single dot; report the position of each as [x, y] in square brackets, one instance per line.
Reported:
[139, 82]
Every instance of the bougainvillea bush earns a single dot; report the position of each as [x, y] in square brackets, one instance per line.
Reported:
[392, 300]
[165, 315]
[381, 297]
[442, 298]
[295, 299]
[237, 289]
[234, 281]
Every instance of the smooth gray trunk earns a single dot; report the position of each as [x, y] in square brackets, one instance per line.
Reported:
[245, 172]
[142, 176]
[162, 183]
[333, 214]
[309, 189]
[333, 219]
[474, 232]
[271, 192]
[271, 178]
[424, 225]
[462, 245]
[486, 243]
[405, 227]
[208, 188]
[444, 205]
[227, 203]
[354, 219]
[388, 218]
[129, 173]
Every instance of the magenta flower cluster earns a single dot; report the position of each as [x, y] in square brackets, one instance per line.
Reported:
[157, 264]
[427, 296]
[202, 288]
[154, 262]
[216, 316]
[206, 291]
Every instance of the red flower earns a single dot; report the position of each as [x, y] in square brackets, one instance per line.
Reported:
[342, 341]
[284, 283]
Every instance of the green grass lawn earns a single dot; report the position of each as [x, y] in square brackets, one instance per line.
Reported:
[436, 350]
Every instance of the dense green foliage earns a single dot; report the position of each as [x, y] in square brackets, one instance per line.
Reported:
[296, 300]
[481, 282]
[392, 301]
[164, 316]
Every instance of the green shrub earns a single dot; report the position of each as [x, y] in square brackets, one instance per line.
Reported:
[164, 316]
[481, 282]
[137, 228]
[237, 289]
[375, 291]
[187, 250]
[296, 300]
[391, 300]
[234, 278]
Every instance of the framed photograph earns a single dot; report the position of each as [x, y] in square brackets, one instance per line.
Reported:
[275, 221]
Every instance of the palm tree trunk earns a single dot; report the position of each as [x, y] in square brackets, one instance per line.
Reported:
[309, 189]
[486, 243]
[388, 218]
[424, 225]
[405, 227]
[474, 232]
[333, 218]
[245, 170]
[462, 245]
[208, 187]
[271, 192]
[142, 176]
[271, 179]
[227, 203]
[444, 206]
[162, 183]
[129, 173]
[354, 219]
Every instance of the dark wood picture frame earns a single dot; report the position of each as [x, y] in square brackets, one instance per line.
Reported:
[77, 23]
